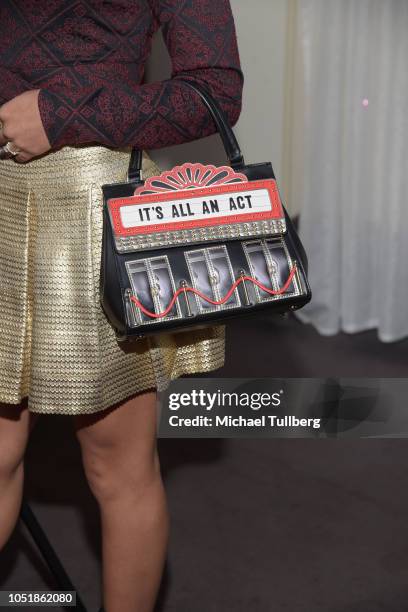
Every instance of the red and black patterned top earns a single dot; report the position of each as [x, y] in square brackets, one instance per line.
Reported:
[88, 59]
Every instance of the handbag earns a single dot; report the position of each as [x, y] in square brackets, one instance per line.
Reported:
[198, 244]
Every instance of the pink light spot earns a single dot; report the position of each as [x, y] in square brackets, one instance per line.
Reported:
[365, 102]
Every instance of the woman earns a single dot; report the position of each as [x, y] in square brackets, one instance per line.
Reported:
[73, 105]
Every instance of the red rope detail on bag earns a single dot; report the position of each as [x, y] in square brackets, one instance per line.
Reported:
[219, 302]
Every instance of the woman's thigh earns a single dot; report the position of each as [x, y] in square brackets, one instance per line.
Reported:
[16, 423]
[119, 444]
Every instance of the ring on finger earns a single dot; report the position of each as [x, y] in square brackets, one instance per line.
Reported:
[8, 148]
[4, 154]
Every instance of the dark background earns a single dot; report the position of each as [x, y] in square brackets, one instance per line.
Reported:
[283, 525]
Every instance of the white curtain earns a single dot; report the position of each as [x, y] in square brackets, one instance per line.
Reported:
[349, 163]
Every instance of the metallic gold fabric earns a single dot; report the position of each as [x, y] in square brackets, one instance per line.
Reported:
[56, 345]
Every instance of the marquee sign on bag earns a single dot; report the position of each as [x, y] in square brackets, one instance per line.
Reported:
[193, 196]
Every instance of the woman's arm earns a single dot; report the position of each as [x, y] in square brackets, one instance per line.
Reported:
[201, 39]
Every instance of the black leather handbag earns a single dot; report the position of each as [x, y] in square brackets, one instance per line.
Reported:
[198, 244]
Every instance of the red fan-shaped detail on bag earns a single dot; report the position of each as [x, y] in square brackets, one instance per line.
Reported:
[190, 176]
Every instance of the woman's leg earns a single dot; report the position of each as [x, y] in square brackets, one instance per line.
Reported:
[16, 422]
[120, 459]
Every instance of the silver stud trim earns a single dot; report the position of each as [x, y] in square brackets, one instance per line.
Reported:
[270, 227]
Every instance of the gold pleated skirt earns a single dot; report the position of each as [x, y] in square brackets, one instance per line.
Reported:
[57, 347]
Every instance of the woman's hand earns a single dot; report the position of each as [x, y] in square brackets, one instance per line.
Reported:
[22, 126]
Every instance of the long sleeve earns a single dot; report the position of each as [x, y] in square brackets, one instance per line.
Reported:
[201, 40]
[12, 85]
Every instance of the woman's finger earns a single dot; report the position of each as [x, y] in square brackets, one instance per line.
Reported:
[3, 139]
[22, 157]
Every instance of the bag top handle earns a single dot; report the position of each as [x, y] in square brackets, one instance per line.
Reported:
[229, 140]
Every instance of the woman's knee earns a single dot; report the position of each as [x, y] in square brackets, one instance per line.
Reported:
[114, 472]
[115, 466]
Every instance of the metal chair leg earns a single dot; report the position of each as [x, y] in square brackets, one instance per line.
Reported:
[50, 556]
